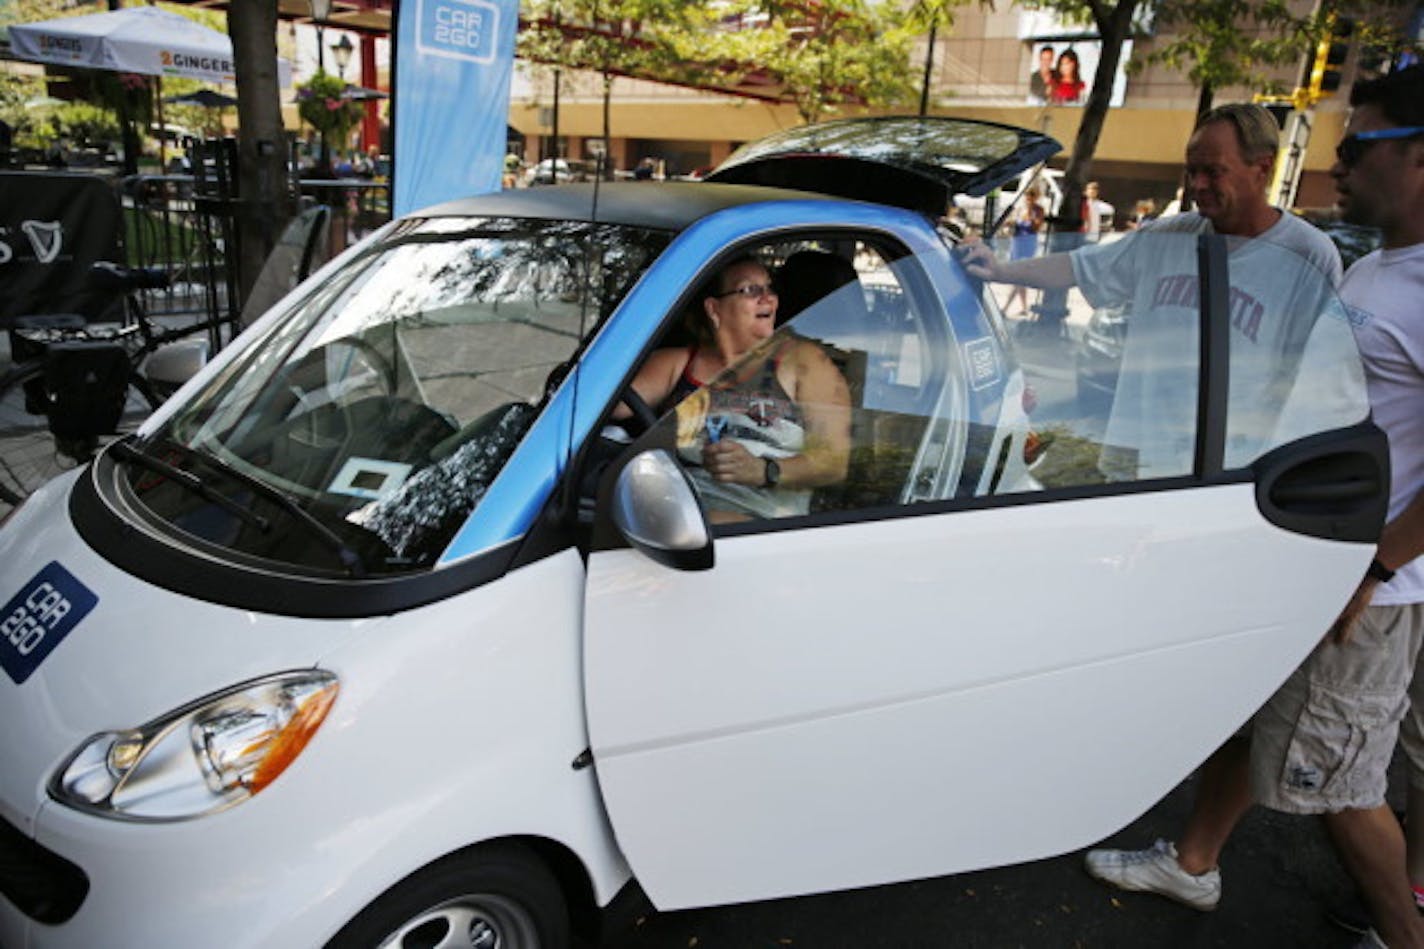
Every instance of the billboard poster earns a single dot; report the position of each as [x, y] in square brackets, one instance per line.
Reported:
[453, 63]
[1062, 72]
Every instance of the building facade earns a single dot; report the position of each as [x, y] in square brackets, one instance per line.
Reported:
[983, 68]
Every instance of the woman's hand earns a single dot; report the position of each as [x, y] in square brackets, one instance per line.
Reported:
[727, 461]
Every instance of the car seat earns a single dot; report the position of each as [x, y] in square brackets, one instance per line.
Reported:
[826, 285]
[808, 276]
[823, 290]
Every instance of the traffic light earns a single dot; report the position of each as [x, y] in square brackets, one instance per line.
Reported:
[1330, 58]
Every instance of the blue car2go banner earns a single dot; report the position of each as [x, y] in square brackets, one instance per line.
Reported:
[454, 59]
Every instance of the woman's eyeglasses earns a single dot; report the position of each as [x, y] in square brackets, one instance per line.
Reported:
[752, 291]
[1353, 147]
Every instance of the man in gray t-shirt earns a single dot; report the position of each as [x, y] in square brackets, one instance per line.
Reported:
[1282, 279]
[1230, 160]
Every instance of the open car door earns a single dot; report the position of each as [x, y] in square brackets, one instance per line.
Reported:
[971, 668]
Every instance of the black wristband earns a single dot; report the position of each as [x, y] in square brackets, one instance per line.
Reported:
[1379, 571]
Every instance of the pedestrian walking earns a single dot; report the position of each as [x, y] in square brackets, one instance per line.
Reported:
[1023, 242]
[1095, 209]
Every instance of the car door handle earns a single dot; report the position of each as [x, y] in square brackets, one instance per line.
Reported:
[1354, 489]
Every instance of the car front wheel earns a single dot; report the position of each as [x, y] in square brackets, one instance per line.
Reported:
[497, 896]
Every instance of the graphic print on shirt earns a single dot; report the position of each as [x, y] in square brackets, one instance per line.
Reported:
[1185, 290]
[757, 413]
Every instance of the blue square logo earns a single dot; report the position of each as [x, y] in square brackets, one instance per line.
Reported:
[982, 358]
[460, 29]
[38, 617]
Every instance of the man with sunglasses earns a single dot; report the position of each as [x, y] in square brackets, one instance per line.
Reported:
[1322, 744]
[1367, 663]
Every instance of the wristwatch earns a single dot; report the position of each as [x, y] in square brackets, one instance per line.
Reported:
[772, 477]
[1379, 571]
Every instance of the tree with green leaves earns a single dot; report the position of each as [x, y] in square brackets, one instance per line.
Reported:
[821, 55]
[926, 17]
[1218, 43]
[647, 39]
[22, 92]
[827, 54]
[1223, 43]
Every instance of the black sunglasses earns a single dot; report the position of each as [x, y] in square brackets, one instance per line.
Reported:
[1353, 147]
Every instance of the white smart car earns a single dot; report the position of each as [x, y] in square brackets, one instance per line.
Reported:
[386, 631]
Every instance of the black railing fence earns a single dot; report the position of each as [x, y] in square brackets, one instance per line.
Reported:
[185, 223]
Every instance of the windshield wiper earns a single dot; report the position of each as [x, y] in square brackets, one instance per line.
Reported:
[348, 557]
[192, 482]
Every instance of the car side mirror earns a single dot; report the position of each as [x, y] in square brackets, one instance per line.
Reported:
[656, 510]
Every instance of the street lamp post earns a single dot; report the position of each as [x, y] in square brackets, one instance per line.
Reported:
[341, 49]
[321, 12]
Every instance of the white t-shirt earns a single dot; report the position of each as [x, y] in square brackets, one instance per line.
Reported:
[1280, 284]
[1385, 294]
[1095, 209]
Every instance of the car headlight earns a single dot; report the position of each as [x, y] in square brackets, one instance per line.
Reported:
[204, 757]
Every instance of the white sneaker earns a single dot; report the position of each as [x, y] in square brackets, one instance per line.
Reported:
[1155, 871]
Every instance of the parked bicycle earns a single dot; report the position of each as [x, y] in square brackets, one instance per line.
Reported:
[74, 384]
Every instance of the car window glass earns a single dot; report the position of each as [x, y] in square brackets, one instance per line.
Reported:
[896, 400]
[386, 404]
[1297, 375]
[946, 398]
[1112, 389]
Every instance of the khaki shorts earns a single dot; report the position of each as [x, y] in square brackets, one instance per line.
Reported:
[1411, 733]
[1323, 742]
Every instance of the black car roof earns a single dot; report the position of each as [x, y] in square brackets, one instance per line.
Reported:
[670, 205]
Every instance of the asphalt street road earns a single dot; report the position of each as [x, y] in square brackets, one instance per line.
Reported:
[1279, 875]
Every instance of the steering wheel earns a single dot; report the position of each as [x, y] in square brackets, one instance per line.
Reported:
[644, 417]
[373, 359]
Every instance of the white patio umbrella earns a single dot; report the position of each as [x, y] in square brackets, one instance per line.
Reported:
[145, 40]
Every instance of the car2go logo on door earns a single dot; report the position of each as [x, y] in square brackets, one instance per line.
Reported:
[38, 617]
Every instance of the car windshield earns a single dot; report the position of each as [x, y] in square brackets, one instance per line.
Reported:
[361, 430]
